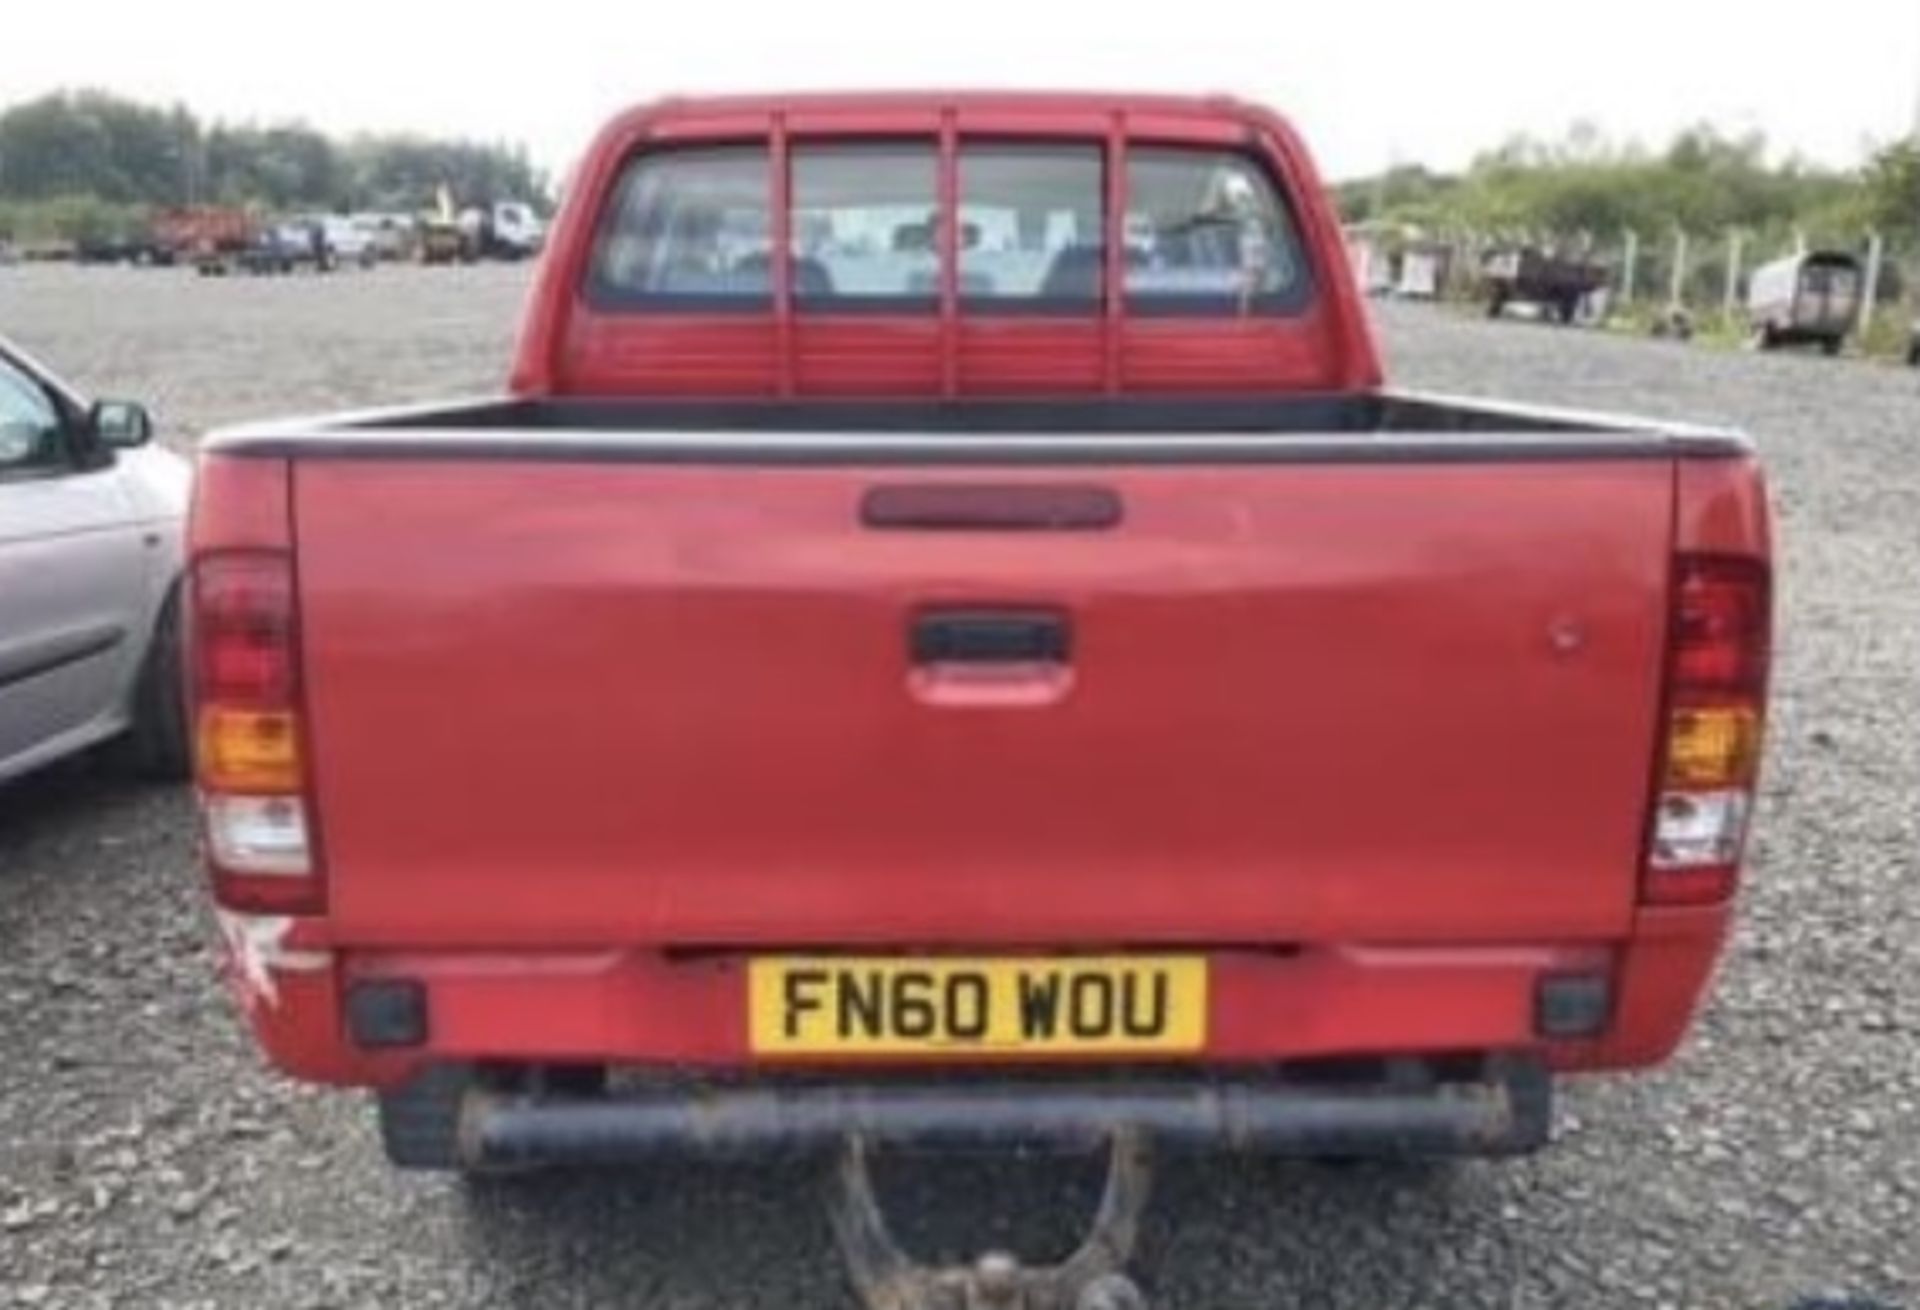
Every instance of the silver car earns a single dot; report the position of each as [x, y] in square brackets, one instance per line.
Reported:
[91, 522]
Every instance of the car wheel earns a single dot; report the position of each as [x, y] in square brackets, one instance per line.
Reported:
[157, 745]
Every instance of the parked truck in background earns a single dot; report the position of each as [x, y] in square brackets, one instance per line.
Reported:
[949, 638]
[505, 229]
[347, 241]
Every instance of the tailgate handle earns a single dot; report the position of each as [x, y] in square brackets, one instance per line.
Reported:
[991, 637]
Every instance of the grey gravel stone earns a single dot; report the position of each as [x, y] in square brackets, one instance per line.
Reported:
[1777, 1157]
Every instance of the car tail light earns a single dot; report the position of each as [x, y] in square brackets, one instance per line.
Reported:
[250, 754]
[1718, 648]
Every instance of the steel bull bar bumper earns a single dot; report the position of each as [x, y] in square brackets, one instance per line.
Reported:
[1504, 1111]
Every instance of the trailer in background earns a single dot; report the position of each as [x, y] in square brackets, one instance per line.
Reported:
[1805, 299]
[1528, 275]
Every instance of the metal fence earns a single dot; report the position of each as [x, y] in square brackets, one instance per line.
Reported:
[1651, 275]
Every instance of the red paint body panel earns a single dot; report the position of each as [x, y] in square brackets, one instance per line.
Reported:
[1225, 355]
[595, 704]
[241, 505]
[1021, 356]
[1721, 508]
[867, 355]
[722, 354]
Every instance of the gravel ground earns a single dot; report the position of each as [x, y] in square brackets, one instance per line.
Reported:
[147, 1159]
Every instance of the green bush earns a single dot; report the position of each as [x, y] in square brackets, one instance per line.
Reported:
[93, 143]
[69, 218]
[1888, 334]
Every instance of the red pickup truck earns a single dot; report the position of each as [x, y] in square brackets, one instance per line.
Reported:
[949, 639]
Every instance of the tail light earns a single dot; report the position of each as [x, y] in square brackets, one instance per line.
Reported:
[250, 754]
[1718, 647]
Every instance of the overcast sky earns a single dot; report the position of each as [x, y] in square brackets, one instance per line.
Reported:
[1369, 82]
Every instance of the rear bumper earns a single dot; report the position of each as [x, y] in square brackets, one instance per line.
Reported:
[632, 1006]
[1504, 1111]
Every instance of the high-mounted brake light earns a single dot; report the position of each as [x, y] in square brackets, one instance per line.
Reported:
[1716, 706]
[250, 757]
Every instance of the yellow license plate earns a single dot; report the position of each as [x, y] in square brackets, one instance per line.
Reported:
[1072, 1005]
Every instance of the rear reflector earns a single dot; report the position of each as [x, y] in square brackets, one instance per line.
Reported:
[383, 1013]
[1572, 1005]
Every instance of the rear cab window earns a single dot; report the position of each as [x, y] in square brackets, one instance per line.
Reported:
[688, 230]
[866, 226]
[1032, 227]
[1206, 232]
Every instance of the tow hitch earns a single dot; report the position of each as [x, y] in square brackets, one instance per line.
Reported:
[1500, 1105]
[1092, 1278]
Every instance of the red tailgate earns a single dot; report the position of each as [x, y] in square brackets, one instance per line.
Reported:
[609, 702]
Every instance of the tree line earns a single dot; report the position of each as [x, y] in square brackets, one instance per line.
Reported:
[1704, 181]
[86, 151]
